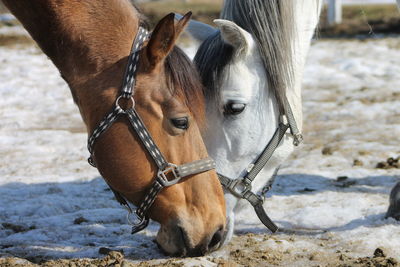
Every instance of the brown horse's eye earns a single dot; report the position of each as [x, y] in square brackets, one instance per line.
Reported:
[181, 123]
[234, 108]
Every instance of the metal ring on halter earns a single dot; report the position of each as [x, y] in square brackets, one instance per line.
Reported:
[119, 107]
[140, 220]
[91, 161]
[162, 175]
[239, 188]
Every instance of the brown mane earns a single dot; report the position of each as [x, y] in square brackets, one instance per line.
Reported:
[184, 81]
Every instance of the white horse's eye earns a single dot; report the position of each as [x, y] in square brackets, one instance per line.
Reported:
[234, 108]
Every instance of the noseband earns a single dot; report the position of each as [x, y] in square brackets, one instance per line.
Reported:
[165, 169]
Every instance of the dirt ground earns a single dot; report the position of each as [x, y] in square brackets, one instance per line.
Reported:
[245, 250]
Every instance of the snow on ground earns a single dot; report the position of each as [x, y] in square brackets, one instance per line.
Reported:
[351, 103]
[53, 204]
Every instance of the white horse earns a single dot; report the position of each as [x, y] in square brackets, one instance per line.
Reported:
[252, 68]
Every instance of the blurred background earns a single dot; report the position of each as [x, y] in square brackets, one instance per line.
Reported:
[357, 16]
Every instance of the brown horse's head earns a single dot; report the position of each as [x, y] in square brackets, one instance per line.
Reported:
[89, 42]
[168, 97]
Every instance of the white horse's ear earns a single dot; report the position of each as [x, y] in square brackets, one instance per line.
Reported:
[198, 30]
[234, 35]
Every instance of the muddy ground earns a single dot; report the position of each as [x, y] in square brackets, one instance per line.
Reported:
[244, 250]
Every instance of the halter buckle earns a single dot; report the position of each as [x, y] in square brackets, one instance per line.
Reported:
[239, 188]
[162, 175]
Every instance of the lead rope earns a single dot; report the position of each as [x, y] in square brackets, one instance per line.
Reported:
[165, 169]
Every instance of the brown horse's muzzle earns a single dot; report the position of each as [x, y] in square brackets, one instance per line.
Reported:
[178, 239]
[192, 221]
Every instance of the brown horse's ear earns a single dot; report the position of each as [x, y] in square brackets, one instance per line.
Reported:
[182, 23]
[164, 37]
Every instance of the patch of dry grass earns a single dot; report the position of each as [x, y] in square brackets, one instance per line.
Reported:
[363, 19]
[357, 19]
[371, 12]
[203, 10]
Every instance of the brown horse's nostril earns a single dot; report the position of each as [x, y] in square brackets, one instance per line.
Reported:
[216, 239]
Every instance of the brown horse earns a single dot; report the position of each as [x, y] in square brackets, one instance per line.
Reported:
[89, 42]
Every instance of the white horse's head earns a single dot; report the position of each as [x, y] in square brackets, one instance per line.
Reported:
[240, 75]
[241, 111]
[242, 114]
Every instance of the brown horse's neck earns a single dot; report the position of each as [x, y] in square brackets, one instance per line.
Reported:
[82, 37]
